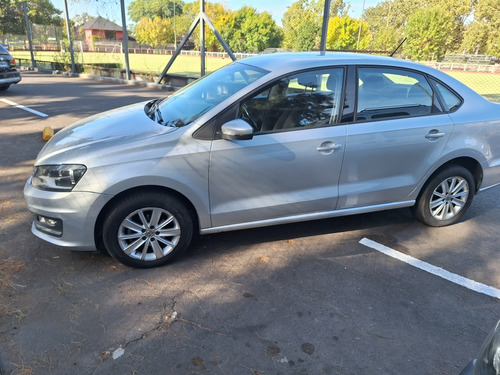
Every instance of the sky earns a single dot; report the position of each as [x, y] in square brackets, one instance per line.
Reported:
[110, 9]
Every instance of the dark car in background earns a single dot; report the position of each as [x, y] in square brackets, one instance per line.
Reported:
[488, 360]
[8, 72]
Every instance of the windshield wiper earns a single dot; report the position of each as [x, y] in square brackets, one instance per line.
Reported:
[153, 111]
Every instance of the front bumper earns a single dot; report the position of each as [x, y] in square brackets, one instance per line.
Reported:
[9, 77]
[74, 212]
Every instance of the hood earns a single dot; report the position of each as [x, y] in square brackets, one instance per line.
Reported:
[118, 125]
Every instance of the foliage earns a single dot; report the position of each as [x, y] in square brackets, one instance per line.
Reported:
[483, 34]
[428, 33]
[152, 9]
[301, 26]
[156, 32]
[243, 30]
[387, 21]
[77, 22]
[39, 12]
[302, 23]
[218, 15]
[247, 30]
[346, 33]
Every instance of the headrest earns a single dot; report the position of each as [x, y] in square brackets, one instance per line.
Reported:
[308, 80]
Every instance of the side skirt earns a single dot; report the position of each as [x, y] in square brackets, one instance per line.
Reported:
[307, 217]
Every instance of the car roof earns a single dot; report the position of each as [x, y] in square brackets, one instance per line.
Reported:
[289, 61]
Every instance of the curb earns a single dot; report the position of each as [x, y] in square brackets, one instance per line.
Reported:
[107, 79]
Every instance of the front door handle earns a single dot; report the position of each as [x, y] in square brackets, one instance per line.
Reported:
[328, 147]
[434, 134]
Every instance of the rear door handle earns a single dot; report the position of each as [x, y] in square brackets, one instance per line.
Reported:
[434, 134]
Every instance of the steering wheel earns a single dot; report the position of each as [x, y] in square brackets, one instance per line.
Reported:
[245, 115]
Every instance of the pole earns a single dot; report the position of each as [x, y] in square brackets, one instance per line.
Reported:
[28, 31]
[202, 36]
[175, 30]
[68, 29]
[361, 25]
[324, 29]
[125, 39]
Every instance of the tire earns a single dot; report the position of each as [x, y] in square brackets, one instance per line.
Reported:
[446, 197]
[147, 229]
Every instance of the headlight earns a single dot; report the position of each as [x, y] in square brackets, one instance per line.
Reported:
[488, 362]
[57, 177]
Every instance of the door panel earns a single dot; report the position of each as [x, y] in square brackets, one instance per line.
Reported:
[385, 160]
[399, 134]
[292, 164]
[275, 175]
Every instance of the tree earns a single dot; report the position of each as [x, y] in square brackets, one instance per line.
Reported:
[157, 32]
[151, 9]
[302, 23]
[247, 30]
[483, 34]
[346, 33]
[301, 26]
[387, 21]
[428, 33]
[40, 12]
[389, 18]
[218, 14]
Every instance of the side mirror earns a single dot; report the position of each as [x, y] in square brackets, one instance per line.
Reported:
[237, 130]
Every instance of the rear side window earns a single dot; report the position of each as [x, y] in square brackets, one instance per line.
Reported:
[451, 100]
[386, 93]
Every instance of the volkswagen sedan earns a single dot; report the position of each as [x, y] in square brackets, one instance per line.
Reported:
[266, 140]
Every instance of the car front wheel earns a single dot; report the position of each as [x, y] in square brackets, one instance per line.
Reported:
[446, 197]
[147, 229]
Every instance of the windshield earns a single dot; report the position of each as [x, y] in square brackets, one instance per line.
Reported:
[194, 100]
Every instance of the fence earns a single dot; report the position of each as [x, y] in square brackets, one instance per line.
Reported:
[495, 69]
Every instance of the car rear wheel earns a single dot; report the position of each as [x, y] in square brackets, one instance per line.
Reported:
[147, 229]
[446, 197]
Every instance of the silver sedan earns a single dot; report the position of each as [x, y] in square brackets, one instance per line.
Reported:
[266, 140]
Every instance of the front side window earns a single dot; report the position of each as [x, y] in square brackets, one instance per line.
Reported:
[194, 100]
[301, 100]
[386, 93]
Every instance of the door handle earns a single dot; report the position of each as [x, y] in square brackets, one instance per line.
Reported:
[328, 147]
[434, 134]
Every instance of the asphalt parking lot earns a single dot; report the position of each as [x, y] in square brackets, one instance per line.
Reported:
[310, 298]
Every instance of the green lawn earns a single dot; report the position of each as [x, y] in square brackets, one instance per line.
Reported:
[486, 84]
[186, 65]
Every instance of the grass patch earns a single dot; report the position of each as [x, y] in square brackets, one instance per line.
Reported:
[486, 84]
[185, 65]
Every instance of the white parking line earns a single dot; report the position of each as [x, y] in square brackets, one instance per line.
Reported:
[24, 108]
[454, 278]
